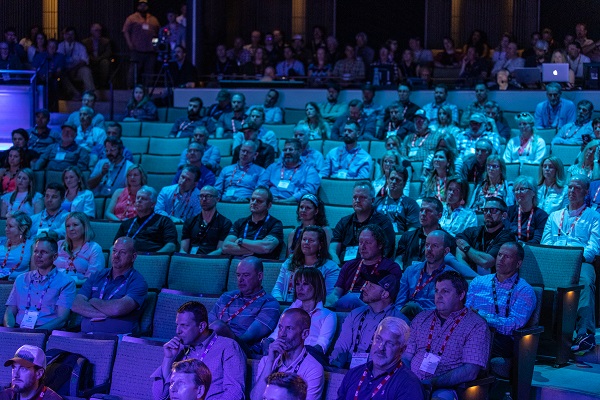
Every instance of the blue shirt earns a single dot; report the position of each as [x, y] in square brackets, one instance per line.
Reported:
[211, 157]
[294, 182]
[432, 109]
[356, 163]
[171, 202]
[116, 178]
[409, 282]
[237, 182]
[207, 177]
[548, 117]
[42, 221]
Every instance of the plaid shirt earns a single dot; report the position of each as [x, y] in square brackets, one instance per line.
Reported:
[465, 142]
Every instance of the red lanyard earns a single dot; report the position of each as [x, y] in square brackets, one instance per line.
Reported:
[129, 212]
[9, 247]
[427, 282]
[596, 195]
[378, 387]
[439, 188]
[72, 258]
[492, 190]
[243, 175]
[291, 177]
[235, 314]
[519, 227]
[422, 141]
[233, 124]
[187, 197]
[39, 306]
[562, 219]
[48, 218]
[351, 160]
[358, 272]
[522, 147]
[452, 328]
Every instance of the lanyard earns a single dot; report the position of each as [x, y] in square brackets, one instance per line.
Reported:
[439, 189]
[187, 197]
[291, 177]
[110, 296]
[242, 308]
[427, 282]
[204, 227]
[243, 174]
[39, 306]
[596, 195]
[259, 229]
[140, 228]
[358, 273]
[359, 331]
[412, 144]
[523, 146]
[492, 190]
[107, 182]
[51, 220]
[519, 227]
[452, 328]
[297, 367]
[562, 218]
[9, 248]
[378, 387]
[73, 256]
[495, 294]
[351, 160]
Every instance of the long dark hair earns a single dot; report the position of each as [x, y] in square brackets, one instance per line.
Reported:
[315, 278]
[320, 217]
[323, 255]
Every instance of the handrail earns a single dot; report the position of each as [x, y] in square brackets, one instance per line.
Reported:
[32, 83]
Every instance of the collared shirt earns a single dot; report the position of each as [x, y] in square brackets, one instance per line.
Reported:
[348, 272]
[236, 182]
[74, 53]
[44, 221]
[432, 109]
[346, 231]
[207, 238]
[141, 31]
[356, 163]
[457, 220]
[547, 116]
[403, 385]
[83, 201]
[207, 177]
[585, 233]
[86, 261]
[226, 362]
[531, 232]
[284, 68]
[39, 144]
[258, 231]
[533, 152]
[230, 123]
[17, 259]
[265, 136]
[465, 142]
[99, 150]
[58, 158]
[404, 212]
[469, 343]
[367, 127]
[410, 280]
[101, 285]
[212, 156]
[314, 158]
[116, 178]
[485, 190]
[478, 238]
[54, 290]
[345, 344]
[264, 310]
[265, 155]
[349, 70]
[417, 148]
[520, 308]
[552, 199]
[171, 202]
[572, 133]
[284, 182]
[153, 236]
[97, 121]
[184, 127]
[90, 138]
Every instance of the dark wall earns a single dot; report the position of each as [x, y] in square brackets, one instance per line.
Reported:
[20, 15]
[562, 16]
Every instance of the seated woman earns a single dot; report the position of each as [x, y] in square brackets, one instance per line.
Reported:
[122, 202]
[444, 124]
[15, 248]
[402, 210]
[77, 197]
[20, 139]
[456, 217]
[393, 142]
[447, 141]
[435, 182]
[140, 107]
[318, 127]
[551, 191]
[320, 69]
[585, 162]
[312, 252]
[494, 184]
[23, 198]
[78, 255]
[528, 147]
[11, 167]
[391, 158]
[525, 218]
[310, 212]
[309, 294]
[449, 57]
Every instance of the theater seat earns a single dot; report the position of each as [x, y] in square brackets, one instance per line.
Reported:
[13, 338]
[198, 274]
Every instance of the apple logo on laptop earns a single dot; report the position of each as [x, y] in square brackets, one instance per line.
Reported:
[555, 72]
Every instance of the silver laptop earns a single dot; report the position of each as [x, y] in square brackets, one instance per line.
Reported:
[526, 76]
[555, 72]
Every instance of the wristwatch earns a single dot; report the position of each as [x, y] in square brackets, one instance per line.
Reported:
[466, 249]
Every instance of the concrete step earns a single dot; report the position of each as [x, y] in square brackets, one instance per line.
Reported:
[573, 382]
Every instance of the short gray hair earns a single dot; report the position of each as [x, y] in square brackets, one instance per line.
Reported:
[398, 327]
[365, 185]
[151, 191]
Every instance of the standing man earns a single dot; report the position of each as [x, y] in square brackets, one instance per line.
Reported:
[195, 341]
[110, 173]
[348, 161]
[111, 300]
[181, 201]
[556, 111]
[139, 30]
[99, 50]
[185, 126]
[53, 217]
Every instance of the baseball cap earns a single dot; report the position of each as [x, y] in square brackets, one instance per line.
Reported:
[223, 95]
[478, 117]
[29, 356]
[68, 125]
[421, 113]
[388, 281]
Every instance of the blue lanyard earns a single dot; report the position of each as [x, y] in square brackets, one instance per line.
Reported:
[141, 226]
[110, 296]
[257, 232]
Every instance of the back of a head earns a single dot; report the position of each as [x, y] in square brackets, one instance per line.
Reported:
[295, 387]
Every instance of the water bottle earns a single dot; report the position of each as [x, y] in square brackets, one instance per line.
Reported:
[507, 396]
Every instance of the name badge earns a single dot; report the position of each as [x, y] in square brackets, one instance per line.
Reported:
[359, 359]
[230, 192]
[430, 363]
[60, 156]
[194, 250]
[342, 174]
[30, 319]
[412, 152]
[351, 253]
[283, 184]
[392, 208]
[145, 27]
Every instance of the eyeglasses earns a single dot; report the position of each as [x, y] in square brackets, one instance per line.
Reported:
[206, 196]
[491, 210]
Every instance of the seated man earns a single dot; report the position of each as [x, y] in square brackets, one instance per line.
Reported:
[41, 298]
[231, 122]
[183, 72]
[185, 126]
[152, 232]
[513, 299]
[574, 132]
[473, 168]
[284, 386]
[225, 360]
[478, 106]
[194, 155]
[257, 117]
[110, 173]
[28, 370]
[98, 152]
[205, 233]
[307, 154]
[191, 380]
[273, 113]
[356, 335]
[265, 153]
[418, 144]
[450, 344]
[556, 111]
[181, 202]
[40, 136]
[64, 154]
[344, 243]
[396, 122]
[236, 182]
[579, 226]
[366, 127]
[347, 289]
[466, 143]
[385, 367]
[288, 354]
[349, 161]
[440, 94]
[402, 210]
[478, 246]
[260, 234]
[111, 300]
[212, 155]
[248, 314]
[87, 100]
[88, 135]
[332, 109]
[53, 217]
[289, 179]
[417, 285]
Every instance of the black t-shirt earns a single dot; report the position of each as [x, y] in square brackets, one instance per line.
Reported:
[404, 212]
[270, 226]
[411, 246]
[206, 236]
[479, 239]
[150, 234]
[346, 232]
[265, 155]
[536, 227]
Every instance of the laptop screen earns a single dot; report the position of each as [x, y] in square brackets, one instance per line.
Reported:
[555, 72]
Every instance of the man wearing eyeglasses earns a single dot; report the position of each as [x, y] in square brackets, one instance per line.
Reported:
[212, 155]
[556, 111]
[465, 143]
[194, 155]
[473, 168]
[579, 226]
[205, 233]
[181, 201]
[479, 246]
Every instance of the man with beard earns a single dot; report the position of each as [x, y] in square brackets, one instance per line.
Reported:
[366, 125]
[473, 168]
[575, 132]
[332, 109]
[465, 142]
[182, 200]
[307, 154]
[396, 122]
[418, 145]
[349, 161]
[288, 354]
[231, 122]
[479, 246]
[212, 155]
[478, 106]
[257, 117]
[183, 72]
[185, 126]
[236, 182]
[440, 94]
[556, 111]
[273, 113]
[289, 179]
[28, 369]
[265, 153]
[110, 173]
